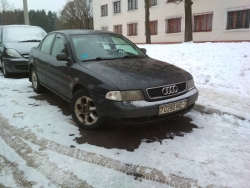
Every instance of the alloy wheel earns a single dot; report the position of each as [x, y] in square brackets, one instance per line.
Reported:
[34, 79]
[85, 110]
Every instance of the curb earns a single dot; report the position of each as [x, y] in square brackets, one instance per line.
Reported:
[210, 110]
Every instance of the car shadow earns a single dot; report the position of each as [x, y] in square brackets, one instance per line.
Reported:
[15, 75]
[114, 135]
[130, 138]
[53, 100]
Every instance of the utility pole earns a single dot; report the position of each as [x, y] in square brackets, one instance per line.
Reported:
[26, 13]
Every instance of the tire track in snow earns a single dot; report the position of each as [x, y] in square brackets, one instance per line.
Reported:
[39, 161]
[139, 172]
[2, 186]
[20, 179]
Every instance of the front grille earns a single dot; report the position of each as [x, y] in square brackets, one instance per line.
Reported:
[156, 92]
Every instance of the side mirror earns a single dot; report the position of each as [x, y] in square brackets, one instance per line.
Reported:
[144, 50]
[64, 57]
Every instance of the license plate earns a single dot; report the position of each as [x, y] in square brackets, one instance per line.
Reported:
[172, 107]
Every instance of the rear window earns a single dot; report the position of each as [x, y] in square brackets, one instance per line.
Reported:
[23, 34]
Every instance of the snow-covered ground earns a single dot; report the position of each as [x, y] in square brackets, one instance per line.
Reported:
[35, 143]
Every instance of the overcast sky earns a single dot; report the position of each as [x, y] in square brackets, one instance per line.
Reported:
[52, 5]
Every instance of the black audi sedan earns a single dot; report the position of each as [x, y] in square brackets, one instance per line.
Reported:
[104, 75]
[15, 44]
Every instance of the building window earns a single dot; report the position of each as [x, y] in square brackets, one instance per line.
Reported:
[173, 25]
[132, 29]
[132, 4]
[104, 28]
[153, 27]
[203, 22]
[118, 29]
[238, 19]
[104, 10]
[117, 7]
[152, 2]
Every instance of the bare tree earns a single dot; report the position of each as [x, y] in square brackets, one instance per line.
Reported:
[147, 22]
[188, 19]
[7, 17]
[77, 14]
[5, 6]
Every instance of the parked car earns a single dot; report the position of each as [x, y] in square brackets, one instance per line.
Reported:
[104, 75]
[15, 44]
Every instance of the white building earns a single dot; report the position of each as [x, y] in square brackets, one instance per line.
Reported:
[213, 20]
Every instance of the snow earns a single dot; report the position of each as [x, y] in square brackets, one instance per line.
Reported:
[35, 141]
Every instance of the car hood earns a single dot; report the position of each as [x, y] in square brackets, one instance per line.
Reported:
[21, 47]
[128, 74]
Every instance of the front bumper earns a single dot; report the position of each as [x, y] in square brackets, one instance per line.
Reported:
[16, 65]
[141, 112]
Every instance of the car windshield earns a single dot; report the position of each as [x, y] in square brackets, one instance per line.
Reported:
[23, 34]
[108, 46]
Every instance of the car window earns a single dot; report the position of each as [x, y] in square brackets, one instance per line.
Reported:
[59, 47]
[83, 49]
[104, 46]
[23, 34]
[121, 44]
[46, 45]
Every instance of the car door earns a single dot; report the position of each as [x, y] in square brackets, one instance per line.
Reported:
[58, 71]
[41, 58]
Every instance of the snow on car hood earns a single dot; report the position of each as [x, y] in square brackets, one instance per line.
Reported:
[137, 73]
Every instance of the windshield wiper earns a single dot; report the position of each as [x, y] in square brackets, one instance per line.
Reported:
[131, 56]
[99, 59]
[33, 40]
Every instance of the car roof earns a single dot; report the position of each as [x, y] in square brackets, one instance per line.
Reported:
[18, 26]
[82, 32]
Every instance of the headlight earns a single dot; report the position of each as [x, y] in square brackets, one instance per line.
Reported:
[125, 95]
[12, 53]
[114, 95]
[190, 84]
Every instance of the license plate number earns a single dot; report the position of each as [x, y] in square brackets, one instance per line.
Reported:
[172, 107]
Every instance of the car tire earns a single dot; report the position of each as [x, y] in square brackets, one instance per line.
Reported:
[37, 87]
[6, 74]
[83, 110]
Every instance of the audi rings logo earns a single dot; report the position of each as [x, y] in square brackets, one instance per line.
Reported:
[170, 90]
